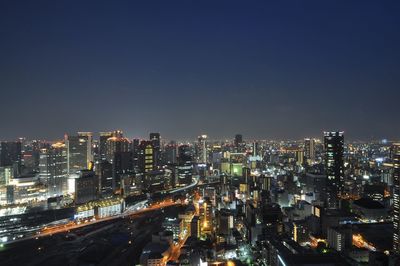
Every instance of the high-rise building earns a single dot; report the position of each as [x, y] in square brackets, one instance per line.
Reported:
[309, 150]
[155, 138]
[104, 170]
[396, 197]
[238, 140]
[122, 165]
[117, 143]
[184, 170]
[135, 148]
[6, 175]
[10, 153]
[334, 167]
[170, 156]
[146, 156]
[53, 169]
[86, 187]
[80, 156]
[202, 149]
[299, 157]
[104, 136]
[185, 155]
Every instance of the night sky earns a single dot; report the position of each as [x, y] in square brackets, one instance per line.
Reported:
[282, 70]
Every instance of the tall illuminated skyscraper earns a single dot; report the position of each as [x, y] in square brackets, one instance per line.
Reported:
[104, 136]
[202, 149]
[155, 138]
[334, 168]
[53, 169]
[309, 150]
[117, 143]
[396, 197]
[79, 150]
[146, 156]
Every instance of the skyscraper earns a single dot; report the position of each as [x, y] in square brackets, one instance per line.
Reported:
[122, 165]
[239, 145]
[10, 153]
[53, 169]
[334, 148]
[104, 136]
[135, 148]
[117, 143]
[146, 156]
[238, 140]
[202, 149]
[309, 150]
[155, 138]
[79, 151]
[171, 154]
[396, 197]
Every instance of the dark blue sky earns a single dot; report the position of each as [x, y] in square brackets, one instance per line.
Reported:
[287, 69]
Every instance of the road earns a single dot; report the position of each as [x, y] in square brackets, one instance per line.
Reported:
[113, 242]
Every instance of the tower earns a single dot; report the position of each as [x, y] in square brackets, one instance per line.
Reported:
[155, 138]
[53, 168]
[309, 150]
[334, 168]
[104, 136]
[202, 149]
[79, 150]
[396, 197]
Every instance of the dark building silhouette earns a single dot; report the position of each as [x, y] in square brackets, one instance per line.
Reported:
[10, 153]
[334, 147]
[396, 197]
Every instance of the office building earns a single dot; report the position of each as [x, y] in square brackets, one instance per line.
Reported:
[117, 143]
[396, 197]
[122, 165]
[79, 148]
[155, 139]
[147, 160]
[309, 150]
[334, 168]
[201, 149]
[53, 169]
[86, 187]
[104, 136]
[238, 140]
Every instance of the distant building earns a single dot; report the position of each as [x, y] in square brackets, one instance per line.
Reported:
[122, 165]
[104, 170]
[396, 197]
[104, 136]
[115, 144]
[309, 150]
[202, 154]
[171, 153]
[86, 187]
[147, 160]
[334, 168]
[340, 238]
[79, 149]
[10, 153]
[238, 141]
[155, 139]
[53, 169]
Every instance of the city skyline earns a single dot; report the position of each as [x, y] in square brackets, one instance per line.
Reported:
[97, 134]
[266, 70]
[167, 133]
